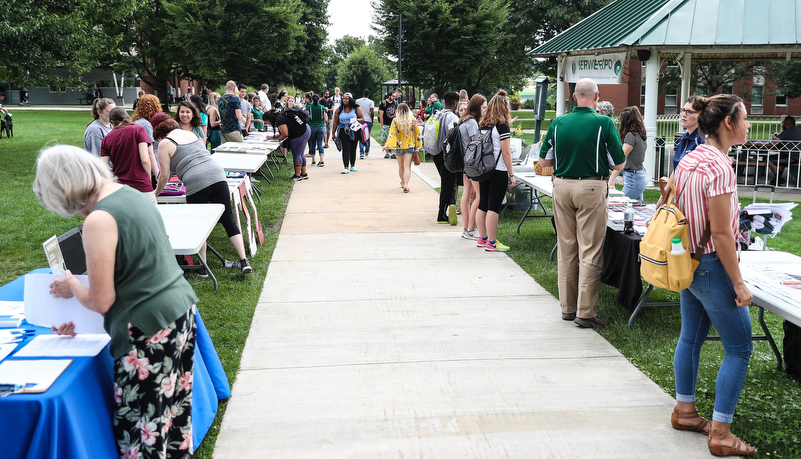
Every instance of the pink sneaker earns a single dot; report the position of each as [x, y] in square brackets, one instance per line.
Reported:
[481, 242]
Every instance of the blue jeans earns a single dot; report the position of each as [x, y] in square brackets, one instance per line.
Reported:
[710, 301]
[366, 148]
[316, 139]
[634, 184]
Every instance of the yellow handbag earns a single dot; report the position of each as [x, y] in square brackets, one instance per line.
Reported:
[658, 266]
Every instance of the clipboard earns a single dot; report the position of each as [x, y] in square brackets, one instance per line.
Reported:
[39, 374]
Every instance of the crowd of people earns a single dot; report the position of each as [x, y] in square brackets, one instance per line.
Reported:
[585, 157]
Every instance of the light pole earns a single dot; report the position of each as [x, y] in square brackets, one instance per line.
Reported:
[400, 40]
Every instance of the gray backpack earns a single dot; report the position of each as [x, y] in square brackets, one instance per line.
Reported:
[479, 157]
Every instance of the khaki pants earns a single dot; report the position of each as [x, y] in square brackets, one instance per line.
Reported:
[234, 136]
[579, 208]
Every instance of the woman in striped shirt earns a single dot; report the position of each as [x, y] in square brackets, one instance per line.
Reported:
[707, 195]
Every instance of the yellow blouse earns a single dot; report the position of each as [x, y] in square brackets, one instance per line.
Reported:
[402, 141]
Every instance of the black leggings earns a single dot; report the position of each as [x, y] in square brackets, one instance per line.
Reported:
[217, 193]
[492, 191]
[348, 147]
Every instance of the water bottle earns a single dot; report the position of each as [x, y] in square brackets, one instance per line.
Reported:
[676, 247]
[628, 219]
[232, 264]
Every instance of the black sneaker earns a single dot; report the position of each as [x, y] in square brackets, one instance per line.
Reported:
[320, 164]
[304, 177]
[392, 156]
[386, 156]
[296, 178]
[244, 265]
[361, 156]
[313, 163]
[202, 272]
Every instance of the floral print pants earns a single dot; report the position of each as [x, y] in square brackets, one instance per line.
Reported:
[153, 391]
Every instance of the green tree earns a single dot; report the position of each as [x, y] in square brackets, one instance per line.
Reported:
[788, 79]
[306, 62]
[40, 36]
[248, 41]
[335, 54]
[446, 44]
[363, 69]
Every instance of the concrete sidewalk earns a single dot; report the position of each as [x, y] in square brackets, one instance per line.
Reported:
[381, 334]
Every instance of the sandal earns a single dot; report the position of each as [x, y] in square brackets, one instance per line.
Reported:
[737, 447]
[405, 190]
[693, 422]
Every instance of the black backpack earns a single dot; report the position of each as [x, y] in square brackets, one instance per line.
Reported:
[792, 348]
[453, 154]
[297, 116]
[479, 157]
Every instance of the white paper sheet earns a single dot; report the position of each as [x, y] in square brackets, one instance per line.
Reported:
[84, 345]
[45, 311]
[9, 308]
[6, 349]
[38, 374]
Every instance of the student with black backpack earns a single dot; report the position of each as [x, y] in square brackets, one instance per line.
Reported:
[468, 127]
[446, 212]
[293, 124]
[493, 189]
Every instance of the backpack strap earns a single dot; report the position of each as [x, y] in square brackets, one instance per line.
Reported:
[699, 250]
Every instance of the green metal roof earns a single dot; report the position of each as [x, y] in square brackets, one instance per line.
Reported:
[725, 23]
[769, 29]
[606, 28]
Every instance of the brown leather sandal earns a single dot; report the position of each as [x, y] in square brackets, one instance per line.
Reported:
[693, 422]
[737, 447]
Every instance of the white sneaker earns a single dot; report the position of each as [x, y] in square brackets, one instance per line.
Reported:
[472, 234]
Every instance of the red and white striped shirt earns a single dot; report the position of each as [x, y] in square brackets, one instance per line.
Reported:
[713, 177]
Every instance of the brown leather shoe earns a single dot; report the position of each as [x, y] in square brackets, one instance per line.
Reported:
[595, 322]
[693, 422]
[736, 447]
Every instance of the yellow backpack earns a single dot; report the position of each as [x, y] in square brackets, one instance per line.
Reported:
[658, 266]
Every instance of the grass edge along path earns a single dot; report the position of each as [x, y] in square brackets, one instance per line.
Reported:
[768, 414]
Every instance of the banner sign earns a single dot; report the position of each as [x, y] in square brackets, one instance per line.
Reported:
[603, 69]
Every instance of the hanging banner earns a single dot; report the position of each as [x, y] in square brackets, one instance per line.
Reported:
[603, 69]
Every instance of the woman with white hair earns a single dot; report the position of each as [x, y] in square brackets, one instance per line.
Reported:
[134, 282]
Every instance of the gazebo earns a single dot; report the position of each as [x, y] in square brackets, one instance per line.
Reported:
[679, 31]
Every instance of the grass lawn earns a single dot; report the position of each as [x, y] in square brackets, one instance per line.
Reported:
[768, 411]
[227, 313]
[767, 415]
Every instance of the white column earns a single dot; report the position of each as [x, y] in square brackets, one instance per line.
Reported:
[651, 92]
[686, 77]
[560, 86]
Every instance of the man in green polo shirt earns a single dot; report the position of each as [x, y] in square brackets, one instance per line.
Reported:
[581, 146]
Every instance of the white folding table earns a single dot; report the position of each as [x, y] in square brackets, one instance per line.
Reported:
[189, 226]
[774, 279]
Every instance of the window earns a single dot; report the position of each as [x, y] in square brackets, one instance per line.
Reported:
[727, 89]
[671, 101]
[781, 100]
[757, 96]
[642, 97]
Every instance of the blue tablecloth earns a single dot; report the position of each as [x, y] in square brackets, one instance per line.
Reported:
[73, 419]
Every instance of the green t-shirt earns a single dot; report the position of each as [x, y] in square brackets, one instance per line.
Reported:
[150, 287]
[316, 112]
[583, 144]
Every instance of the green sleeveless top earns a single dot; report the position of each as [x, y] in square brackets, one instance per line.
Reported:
[150, 287]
